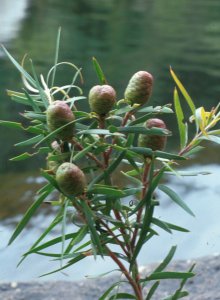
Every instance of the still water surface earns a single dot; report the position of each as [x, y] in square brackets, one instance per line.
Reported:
[125, 36]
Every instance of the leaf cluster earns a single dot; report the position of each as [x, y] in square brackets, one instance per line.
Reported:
[103, 146]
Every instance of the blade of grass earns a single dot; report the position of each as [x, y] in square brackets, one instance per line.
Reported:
[99, 71]
[19, 67]
[183, 91]
[176, 198]
[180, 118]
[56, 55]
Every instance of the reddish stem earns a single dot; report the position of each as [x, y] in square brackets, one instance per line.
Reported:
[137, 289]
[90, 155]
[115, 237]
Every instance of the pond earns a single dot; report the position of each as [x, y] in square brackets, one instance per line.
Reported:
[125, 36]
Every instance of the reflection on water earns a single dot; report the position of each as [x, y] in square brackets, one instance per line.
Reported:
[125, 36]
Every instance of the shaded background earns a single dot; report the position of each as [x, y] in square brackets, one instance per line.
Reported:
[125, 36]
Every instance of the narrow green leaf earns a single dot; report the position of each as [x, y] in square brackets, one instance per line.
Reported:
[82, 153]
[50, 178]
[140, 120]
[64, 229]
[181, 294]
[59, 157]
[214, 132]
[79, 257]
[92, 227]
[16, 125]
[22, 99]
[175, 227]
[35, 116]
[77, 239]
[102, 275]
[211, 138]
[180, 119]
[193, 151]
[190, 173]
[40, 89]
[111, 288]
[109, 219]
[131, 191]
[169, 275]
[19, 67]
[158, 109]
[10, 124]
[123, 110]
[32, 102]
[148, 213]
[153, 183]
[21, 225]
[52, 242]
[178, 293]
[56, 55]
[157, 153]
[152, 290]
[161, 224]
[27, 155]
[99, 71]
[45, 188]
[30, 141]
[176, 198]
[23, 156]
[144, 230]
[98, 131]
[133, 179]
[56, 221]
[105, 190]
[166, 260]
[183, 91]
[122, 296]
[142, 130]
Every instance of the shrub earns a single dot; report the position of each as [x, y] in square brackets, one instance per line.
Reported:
[84, 149]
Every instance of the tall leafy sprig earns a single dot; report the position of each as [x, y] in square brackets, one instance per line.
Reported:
[103, 146]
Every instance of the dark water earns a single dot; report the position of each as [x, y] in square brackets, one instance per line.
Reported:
[125, 36]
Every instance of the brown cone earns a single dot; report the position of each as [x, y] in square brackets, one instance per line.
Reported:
[59, 114]
[139, 88]
[70, 179]
[155, 142]
[102, 99]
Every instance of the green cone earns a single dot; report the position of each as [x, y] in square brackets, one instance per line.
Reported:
[70, 179]
[59, 114]
[102, 99]
[155, 142]
[139, 88]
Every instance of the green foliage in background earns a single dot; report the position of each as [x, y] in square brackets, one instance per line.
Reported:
[84, 151]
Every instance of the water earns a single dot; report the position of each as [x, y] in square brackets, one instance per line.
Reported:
[125, 36]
